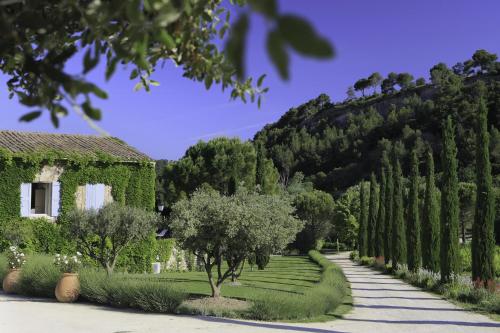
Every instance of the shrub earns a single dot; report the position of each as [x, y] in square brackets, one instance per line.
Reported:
[465, 258]
[137, 256]
[165, 247]
[67, 264]
[104, 234]
[218, 307]
[15, 257]
[262, 259]
[4, 264]
[367, 261]
[35, 236]
[127, 291]
[39, 277]
[354, 255]
[320, 299]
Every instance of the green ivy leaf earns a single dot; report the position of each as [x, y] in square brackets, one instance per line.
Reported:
[30, 116]
[303, 38]
[277, 52]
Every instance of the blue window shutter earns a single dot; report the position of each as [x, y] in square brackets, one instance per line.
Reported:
[89, 196]
[56, 195]
[99, 195]
[25, 199]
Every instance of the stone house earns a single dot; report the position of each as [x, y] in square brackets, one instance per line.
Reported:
[45, 175]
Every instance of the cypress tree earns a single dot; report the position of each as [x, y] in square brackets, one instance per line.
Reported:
[414, 247]
[362, 232]
[430, 219]
[389, 197]
[372, 215]
[449, 262]
[260, 165]
[380, 227]
[398, 230]
[483, 238]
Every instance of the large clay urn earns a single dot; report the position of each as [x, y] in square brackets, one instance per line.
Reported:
[68, 288]
[11, 280]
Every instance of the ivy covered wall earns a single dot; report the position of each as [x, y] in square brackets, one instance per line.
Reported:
[131, 183]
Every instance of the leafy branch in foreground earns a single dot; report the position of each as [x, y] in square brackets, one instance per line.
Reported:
[39, 38]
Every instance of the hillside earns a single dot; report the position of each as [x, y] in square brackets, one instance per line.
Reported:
[335, 145]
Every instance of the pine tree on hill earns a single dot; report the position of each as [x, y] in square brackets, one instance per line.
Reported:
[483, 238]
[398, 228]
[372, 216]
[449, 262]
[430, 219]
[389, 197]
[414, 246]
[362, 232]
[379, 229]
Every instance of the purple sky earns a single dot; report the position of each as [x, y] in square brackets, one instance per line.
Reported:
[383, 36]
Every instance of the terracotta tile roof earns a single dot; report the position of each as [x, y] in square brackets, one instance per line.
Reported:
[26, 142]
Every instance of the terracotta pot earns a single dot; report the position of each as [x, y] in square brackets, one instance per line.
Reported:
[11, 280]
[68, 288]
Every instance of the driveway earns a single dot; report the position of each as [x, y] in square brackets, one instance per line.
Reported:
[381, 304]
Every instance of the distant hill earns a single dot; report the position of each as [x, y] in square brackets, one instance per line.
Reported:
[337, 145]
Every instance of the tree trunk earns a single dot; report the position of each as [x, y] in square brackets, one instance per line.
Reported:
[215, 288]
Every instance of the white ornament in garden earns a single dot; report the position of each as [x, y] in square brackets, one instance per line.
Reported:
[177, 260]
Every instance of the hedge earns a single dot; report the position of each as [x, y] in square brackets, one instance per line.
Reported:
[321, 299]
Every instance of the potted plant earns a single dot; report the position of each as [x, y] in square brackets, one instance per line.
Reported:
[16, 261]
[68, 287]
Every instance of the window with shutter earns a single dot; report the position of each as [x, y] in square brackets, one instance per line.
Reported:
[94, 196]
[25, 199]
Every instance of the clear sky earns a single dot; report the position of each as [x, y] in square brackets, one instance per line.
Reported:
[383, 36]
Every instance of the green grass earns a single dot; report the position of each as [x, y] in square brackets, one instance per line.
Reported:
[291, 275]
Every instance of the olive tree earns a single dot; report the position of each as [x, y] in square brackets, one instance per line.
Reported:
[217, 228]
[103, 234]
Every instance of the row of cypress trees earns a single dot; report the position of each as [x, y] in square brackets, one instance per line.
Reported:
[430, 241]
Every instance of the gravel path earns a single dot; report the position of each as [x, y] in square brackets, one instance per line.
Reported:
[381, 304]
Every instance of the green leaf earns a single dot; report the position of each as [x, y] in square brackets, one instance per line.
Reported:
[208, 81]
[261, 80]
[54, 119]
[138, 86]
[235, 47]
[154, 83]
[302, 37]
[111, 67]
[277, 52]
[90, 111]
[268, 8]
[99, 92]
[30, 116]
[166, 39]
[89, 62]
[134, 74]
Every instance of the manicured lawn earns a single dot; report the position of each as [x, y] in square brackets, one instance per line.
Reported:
[283, 274]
